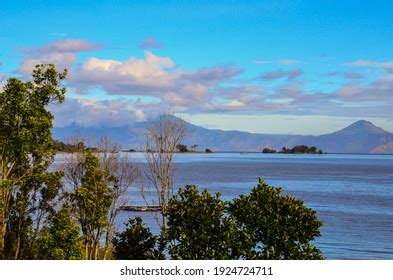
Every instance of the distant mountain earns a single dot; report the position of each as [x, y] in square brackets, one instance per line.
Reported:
[360, 137]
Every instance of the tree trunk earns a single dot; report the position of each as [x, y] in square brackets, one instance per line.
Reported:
[19, 237]
[2, 233]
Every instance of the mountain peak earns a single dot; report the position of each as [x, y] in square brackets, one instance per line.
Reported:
[362, 127]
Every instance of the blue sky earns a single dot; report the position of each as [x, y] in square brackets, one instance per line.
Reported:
[306, 67]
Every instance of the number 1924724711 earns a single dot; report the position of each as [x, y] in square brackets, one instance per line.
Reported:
[243, 270]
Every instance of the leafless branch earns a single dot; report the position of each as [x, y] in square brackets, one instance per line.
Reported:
[163, 134]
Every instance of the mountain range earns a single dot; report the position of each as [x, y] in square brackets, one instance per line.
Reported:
[359, 137]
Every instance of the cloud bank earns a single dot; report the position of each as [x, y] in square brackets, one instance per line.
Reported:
[137, 86]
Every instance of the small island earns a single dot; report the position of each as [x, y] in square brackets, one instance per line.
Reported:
[181, 148]
[302, 149]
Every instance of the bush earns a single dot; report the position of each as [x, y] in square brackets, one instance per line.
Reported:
[61, 240]
[198, 227]
[262, 225]
[281, 226]
[135, 243]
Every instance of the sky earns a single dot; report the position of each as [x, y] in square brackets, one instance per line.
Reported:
[297, 67]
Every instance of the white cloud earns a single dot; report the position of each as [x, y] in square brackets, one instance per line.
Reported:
[234, 104]
[61, 53]
[131, 77]
[176, 89]
[88, 112]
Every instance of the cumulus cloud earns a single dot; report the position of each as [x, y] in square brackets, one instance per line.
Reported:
[212, 75]
[211, 89]
[154, 76]
[234, 104]
[147, 76]
[150, 42]
[379, 91]
[105, 113]
[61, 53]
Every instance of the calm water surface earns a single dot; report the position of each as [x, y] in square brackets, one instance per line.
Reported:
[352, 194]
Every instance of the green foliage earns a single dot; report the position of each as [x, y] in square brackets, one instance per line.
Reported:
[60, 146]
[302, 149]
[198, 227]
[25, 121]
[262, 225]
[269, 151]
[282, 227]
[61, 239]
[182, 148]
[93, 199]
[26, 187]
[135, 243]
[18, 235]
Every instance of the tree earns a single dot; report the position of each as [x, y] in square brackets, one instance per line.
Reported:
[163, 135]
[269, 151]
[121, 174]
[281, 226]
[26, 153]
[93, 200]
[135, 243]
[199, 228]
[263, 225]
[60, 240]
[182, 148]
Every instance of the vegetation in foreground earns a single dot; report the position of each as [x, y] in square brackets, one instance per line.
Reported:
[71, 213]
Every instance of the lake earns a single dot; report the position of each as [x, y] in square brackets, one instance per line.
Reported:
[352, 194]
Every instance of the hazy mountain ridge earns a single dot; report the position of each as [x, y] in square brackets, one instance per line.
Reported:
[359, 137]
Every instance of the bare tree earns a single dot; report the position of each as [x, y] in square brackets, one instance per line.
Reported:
[122, 173]
[163, 134]
[72, 162]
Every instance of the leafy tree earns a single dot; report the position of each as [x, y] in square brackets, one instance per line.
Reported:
[135, 243]
[25, 155]
[92, 199]
[269, 151]
[198, 227]
[61, 239]
[302, 149]
[281, 226]
[120, 174]
[182, 148]
[60, 146]
[29, 210]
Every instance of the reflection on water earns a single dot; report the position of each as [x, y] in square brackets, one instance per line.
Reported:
[352, 194]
